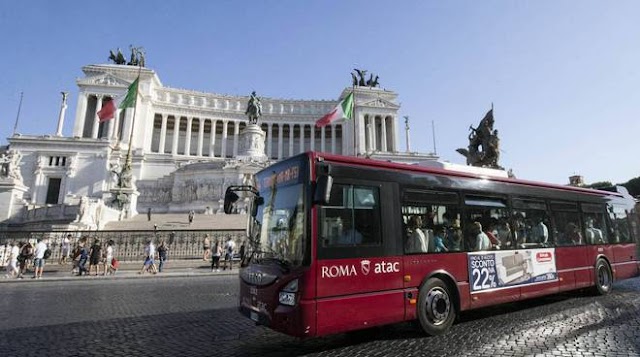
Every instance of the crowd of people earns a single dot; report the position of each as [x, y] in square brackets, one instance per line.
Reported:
[88, 256]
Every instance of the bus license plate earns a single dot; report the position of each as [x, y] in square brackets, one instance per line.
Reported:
[254, 316]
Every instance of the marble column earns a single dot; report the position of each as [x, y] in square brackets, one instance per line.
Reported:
[96, 120]
[302, 136]
[384, 133]
[374, 133]
[63, 110]
[269, 140]
[333, 139]
[290, 140]
[225, 124]
[212, 139]
[163, 133]
[323, 138]
[236, 137]
[176, 134]
[280, 140]
[81, 115]
[313, 138]
[187, 140]
[200, 135]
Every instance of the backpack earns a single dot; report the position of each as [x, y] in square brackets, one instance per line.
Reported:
[47, 253]
[27, 250]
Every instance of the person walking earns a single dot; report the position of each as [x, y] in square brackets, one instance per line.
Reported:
[162, 255]
[242, 251]
[149, 214]
[229, 247]
[190, 216]
[83, 256]
[38, 259]
[108, 256]
[95, 257]
[206, 246]
[149, 252]
[12, 264]
[215, 256]
[65, 249]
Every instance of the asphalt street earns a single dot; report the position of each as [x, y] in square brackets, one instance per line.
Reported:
[196, 316]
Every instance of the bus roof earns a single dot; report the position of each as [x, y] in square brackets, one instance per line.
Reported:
[361, 161]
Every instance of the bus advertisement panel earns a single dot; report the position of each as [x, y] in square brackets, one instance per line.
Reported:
[501, 269]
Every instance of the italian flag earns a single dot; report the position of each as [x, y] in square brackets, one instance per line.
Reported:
[129, 100]
[344, 109]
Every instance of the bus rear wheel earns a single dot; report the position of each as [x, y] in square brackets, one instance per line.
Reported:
[436, 308]
[603, 277]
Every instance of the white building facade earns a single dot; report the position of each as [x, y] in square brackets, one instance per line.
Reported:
[173, 129]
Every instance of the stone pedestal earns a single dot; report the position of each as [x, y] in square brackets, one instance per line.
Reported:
[11, 198]
[251, 146]
[129, 208]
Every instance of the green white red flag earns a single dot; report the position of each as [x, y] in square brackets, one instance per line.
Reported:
[129, 100]
[344, 109]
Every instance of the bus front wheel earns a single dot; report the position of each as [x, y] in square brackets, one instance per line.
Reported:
[603, 277]
[436, 308]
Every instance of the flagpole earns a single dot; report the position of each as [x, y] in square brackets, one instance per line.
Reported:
[353, 90]
[15, 126]
[133, 119]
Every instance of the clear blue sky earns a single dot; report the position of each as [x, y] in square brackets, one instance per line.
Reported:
[562, 75]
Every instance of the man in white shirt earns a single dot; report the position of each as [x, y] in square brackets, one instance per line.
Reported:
[229, 247]
[38, 259]
[540, 232]
[482, 240]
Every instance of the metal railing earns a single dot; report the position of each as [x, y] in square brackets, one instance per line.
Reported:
[128, 245]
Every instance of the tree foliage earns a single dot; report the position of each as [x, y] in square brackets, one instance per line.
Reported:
[633, 186]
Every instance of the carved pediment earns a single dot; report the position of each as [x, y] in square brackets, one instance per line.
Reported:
[106, 79]
[379, 103]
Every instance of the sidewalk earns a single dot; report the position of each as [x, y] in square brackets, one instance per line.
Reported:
[127, 270]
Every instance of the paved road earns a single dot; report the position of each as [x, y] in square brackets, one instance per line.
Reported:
[196, 316]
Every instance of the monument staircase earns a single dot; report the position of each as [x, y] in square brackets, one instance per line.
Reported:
[179, 221]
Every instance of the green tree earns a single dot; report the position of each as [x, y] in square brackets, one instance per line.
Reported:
[599, 185]
[633, 186]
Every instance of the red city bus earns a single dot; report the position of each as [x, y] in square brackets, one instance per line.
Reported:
[342, 243]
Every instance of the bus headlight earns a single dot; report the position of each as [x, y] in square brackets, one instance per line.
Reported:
[286, 298]
[287, 295]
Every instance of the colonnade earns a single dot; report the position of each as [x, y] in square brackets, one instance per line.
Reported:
[194, 136]
[218, 137]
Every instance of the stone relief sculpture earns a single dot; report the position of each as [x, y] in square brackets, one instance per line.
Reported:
[254, 108]
[484, 144]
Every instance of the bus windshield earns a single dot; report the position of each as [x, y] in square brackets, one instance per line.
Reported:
[279, 226]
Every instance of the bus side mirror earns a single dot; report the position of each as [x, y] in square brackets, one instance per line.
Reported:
[257, 201]
[323, 189]
[230, 198]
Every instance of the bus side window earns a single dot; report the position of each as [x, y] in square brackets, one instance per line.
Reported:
[483, 216]
[567, 223]
[352, 217]
[619, 225]
[532, 224]
[595, 228]
[431, 228]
